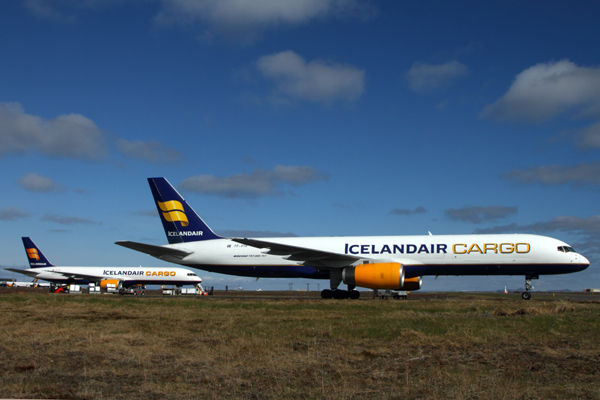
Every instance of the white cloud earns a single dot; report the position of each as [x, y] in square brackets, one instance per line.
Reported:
[547, 90]
[147, 213]
[238, 20]
[258, 183]
[43, 9]
[151, 152]
[66, 220]
[405, 211]
[480, 214]
[588, 228]
[427, 77]
[579, 175]
[37, 183]
[589, 137]
[317, 80]
[66, 136]
[67, 10]
[12, 213]
[245, 20]
[254, 234]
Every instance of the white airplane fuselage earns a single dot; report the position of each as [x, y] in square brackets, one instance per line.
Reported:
[130, 275]
[374, 262]
[119, 277]
[497, 254]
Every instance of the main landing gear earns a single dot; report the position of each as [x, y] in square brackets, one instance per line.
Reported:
[335, 278]
[526, 295]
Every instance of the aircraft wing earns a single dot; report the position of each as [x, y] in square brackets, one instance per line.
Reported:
[75, 275]
[29, 272]
[154, 251]
[313, 257]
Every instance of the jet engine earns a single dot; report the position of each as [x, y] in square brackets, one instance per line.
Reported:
[116, 282]
[411, 284]
[375, 276]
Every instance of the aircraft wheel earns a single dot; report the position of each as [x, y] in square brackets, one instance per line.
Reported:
[340, 294]
[326, 294]
[526, 296]
[355, 294]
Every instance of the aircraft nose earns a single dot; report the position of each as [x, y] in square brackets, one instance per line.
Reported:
[583, 262]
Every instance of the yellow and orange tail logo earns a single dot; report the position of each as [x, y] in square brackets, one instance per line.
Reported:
[173, 211]
[33, 253]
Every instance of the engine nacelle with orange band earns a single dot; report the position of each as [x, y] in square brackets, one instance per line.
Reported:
[117, 282]
[375, 276]
[412, 284]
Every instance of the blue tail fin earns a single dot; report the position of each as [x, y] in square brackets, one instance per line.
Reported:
[180, 221]
[34, 255]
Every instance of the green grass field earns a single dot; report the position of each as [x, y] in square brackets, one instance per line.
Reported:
[431, 347]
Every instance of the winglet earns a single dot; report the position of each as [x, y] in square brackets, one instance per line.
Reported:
[34, 254]
[180, 221]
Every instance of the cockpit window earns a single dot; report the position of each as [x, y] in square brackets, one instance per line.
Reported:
[566, 249]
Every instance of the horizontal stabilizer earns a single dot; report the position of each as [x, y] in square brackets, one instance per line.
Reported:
[67, 274]
[154, 251]
[29, 272]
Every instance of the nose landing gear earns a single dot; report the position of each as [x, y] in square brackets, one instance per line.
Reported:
[526, 295]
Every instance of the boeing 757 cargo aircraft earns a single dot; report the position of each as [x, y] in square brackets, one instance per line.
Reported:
[121, 277]
[377, 262]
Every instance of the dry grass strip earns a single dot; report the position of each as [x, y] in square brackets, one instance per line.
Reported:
[85, 347]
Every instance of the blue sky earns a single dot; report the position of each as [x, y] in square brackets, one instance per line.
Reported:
[303, 117]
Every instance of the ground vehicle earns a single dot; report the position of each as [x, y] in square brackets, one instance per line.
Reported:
[395, 294]
[136, 290]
